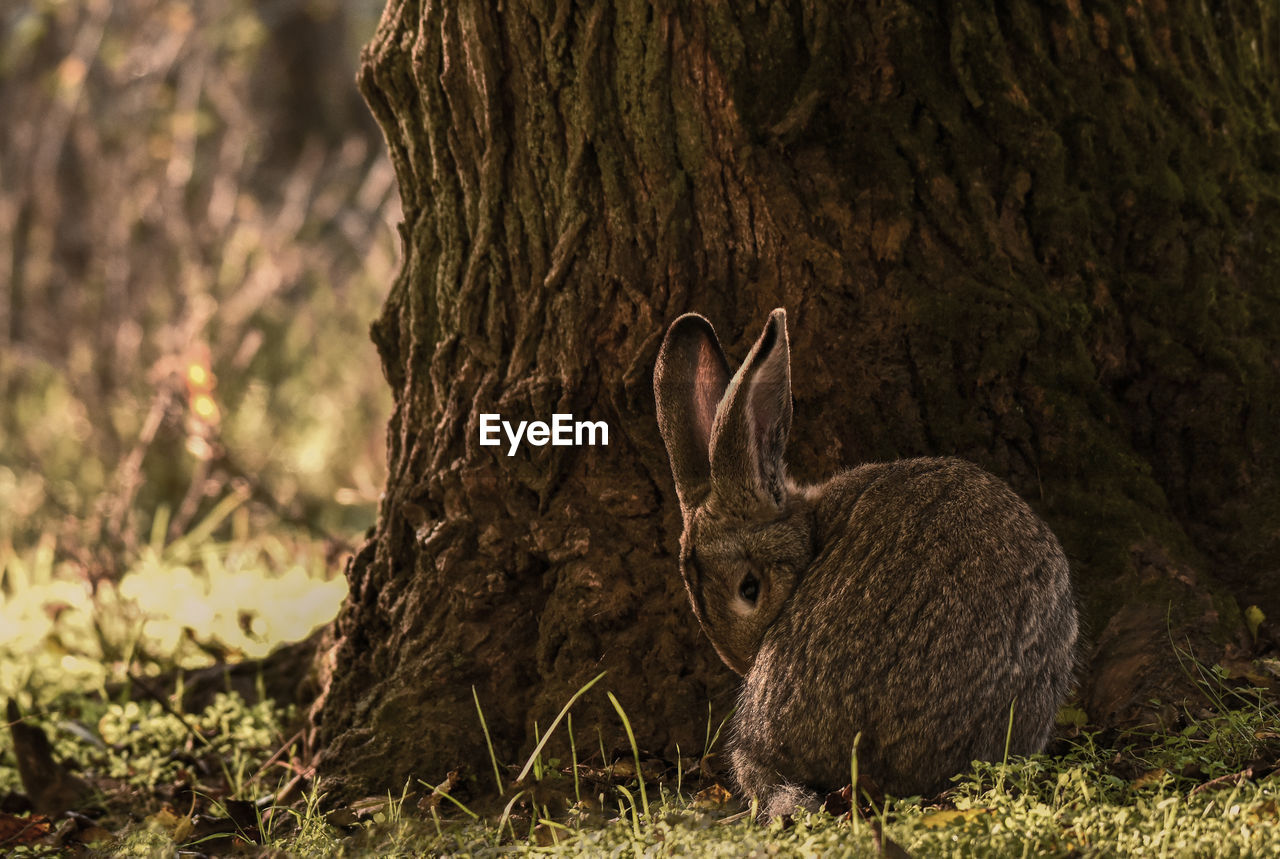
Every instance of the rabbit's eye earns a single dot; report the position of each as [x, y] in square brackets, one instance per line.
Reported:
[749, 590]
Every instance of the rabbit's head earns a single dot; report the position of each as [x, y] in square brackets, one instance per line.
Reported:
[747, 536]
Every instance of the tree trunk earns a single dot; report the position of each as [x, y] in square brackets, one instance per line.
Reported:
[1042, 238]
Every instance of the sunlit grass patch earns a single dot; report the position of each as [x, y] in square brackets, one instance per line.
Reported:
[188, 604]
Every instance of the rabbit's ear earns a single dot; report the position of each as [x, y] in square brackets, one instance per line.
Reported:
[750, 433]
[688, 382]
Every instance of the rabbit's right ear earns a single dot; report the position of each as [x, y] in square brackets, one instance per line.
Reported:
[749, 438]
[688, 382]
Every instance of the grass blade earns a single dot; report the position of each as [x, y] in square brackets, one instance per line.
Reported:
[550, 730]
[635, 751]
[573, 752]
[493, 757]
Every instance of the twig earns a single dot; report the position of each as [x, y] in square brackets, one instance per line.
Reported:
[1222, 780]
[275, 757]
[128, 476]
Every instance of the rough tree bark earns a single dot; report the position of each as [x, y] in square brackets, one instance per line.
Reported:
[1041, 236]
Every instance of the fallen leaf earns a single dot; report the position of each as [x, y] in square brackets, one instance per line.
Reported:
[839, 802]
[50, 786]
[16, 831]
[170, 822]
[715, 796]
[354, 812]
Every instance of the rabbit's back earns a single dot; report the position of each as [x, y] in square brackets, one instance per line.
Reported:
[937, 599]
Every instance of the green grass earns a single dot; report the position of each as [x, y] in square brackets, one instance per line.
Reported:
[156, 770]
[1148, 794]
[76, 661]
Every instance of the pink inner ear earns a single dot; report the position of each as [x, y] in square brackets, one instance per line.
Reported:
[708, 386]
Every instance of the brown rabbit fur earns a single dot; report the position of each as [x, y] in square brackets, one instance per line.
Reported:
[920, 603]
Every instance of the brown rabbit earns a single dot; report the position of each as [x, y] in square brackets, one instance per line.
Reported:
[920, 602]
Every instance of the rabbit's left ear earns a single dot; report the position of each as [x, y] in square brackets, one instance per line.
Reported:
[688, 382]
[749, 438]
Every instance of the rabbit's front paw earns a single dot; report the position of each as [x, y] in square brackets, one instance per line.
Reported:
[786, 799]
[774, 796]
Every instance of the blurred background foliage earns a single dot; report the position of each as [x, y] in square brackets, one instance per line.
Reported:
[196, 227]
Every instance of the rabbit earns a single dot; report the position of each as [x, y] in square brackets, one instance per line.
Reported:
[917, 606]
